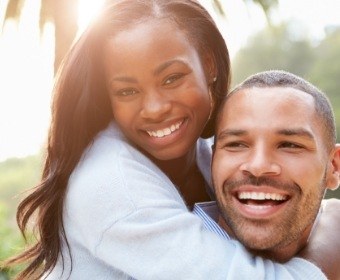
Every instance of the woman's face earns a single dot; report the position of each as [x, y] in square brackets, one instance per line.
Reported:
[158, 88]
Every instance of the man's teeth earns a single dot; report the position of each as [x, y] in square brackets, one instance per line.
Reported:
[261, 196]
[166, 131]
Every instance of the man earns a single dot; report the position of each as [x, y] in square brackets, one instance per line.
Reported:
[274, 157]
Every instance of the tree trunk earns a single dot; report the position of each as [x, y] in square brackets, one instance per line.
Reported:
[66, 26]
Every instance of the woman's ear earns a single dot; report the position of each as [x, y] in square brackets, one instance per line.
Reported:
[210, 71]
[210, 68]
[333, 174]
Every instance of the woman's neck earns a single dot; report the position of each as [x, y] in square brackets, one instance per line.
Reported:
[178, 169]
[185, 175]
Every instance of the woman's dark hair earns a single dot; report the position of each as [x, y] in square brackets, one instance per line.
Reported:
[81, 108]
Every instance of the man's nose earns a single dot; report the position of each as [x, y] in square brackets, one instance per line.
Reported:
[155, 105]
[261, 162]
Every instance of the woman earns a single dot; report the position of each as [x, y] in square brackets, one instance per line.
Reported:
[124, 162]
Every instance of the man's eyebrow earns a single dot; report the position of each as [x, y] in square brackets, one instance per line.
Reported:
[296, 132]
[167, 64]
[287, 132]
[230, 132]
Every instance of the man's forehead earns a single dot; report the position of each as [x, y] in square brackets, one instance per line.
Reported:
[265, 106]
[279, 94]
[270, 99]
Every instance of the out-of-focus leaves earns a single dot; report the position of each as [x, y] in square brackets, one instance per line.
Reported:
[273, 48]
[218, 7]
[16, 176]
[266, 5]
[63, 13]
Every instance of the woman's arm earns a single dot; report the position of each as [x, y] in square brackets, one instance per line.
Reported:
[130, 217]
[323, 248]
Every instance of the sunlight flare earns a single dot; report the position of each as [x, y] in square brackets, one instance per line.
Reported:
[87, 10]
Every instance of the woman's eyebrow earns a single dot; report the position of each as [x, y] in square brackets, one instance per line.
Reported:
[157, 71]
[124, 79]
[167, 64]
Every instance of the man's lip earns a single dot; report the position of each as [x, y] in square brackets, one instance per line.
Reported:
[261, 196]
[262, 188]
[259, 207]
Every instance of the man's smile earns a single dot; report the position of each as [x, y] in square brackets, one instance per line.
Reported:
[258, 202]
[260, 196]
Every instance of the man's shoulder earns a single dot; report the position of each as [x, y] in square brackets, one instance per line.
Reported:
[209, 214]
[208, 208]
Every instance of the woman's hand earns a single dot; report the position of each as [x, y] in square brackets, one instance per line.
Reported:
[323, 248]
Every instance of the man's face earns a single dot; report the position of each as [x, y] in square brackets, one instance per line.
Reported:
[270, 166]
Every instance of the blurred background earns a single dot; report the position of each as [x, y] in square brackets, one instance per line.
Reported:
[300, 36]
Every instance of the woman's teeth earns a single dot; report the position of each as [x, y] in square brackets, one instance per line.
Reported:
[166, 131]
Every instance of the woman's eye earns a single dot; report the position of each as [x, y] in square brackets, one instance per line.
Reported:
[173, 78]
[126, 92]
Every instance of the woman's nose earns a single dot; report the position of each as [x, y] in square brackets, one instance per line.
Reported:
[155, 105]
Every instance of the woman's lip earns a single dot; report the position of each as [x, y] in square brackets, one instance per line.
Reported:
[166, 130]
[165, 140]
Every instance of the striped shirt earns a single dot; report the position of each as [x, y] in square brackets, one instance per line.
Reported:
[208, 212]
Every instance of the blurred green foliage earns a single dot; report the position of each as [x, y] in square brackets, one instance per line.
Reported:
[11, 243]
[16, 175]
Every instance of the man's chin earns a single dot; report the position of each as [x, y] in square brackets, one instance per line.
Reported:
[261, 242]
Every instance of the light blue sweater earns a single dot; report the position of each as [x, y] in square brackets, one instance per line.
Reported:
[124, 219]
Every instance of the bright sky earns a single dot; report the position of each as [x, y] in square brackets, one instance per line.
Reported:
[26, 61]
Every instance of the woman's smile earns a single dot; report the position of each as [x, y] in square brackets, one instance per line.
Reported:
[165, 138]
[159, 133]
[158, 90]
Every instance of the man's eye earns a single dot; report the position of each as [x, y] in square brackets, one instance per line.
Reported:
[290, 145]
[173, 78]
[234, 146]
[126, 92]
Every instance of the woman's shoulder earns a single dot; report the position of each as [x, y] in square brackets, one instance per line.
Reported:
[112, 169]
[110, 149]
[113, 181]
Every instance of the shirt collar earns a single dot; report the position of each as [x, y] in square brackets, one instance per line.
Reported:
[208, 212]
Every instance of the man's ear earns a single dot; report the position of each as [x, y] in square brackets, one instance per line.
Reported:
[333, 174]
